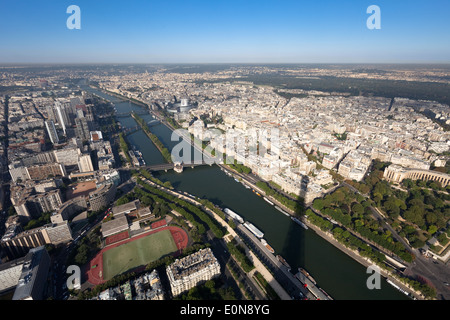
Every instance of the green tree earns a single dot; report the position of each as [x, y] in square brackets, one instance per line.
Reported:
[416, 202]
[358, 209]
[421, 183]
[417, 243]
[12, 211]
[377, 197]
[123, 200]
[408, 183]
[428, 291]
[415, 215]
[338, 196]
[391, 207]
[409, 229]
[318, 204]
[381, 188]
[82, 255]
[431, 217]
[432, 229]
[168, 185]
[210, 284]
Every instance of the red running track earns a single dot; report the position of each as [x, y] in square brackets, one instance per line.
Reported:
[158, 224]
[93, 274]
[117, 237]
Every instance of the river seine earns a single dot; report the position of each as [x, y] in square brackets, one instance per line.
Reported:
[339, 275]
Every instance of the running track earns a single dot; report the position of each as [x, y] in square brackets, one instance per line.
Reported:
[93, 274]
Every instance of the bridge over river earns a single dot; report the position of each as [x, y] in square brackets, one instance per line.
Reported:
[136, 128]
[128, 114]
[166, 166]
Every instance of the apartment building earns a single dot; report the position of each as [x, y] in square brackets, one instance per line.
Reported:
[188, 272]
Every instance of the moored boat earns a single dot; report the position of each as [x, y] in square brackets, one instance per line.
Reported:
[268, 201]
[306, 273]
[282, 211]
[299, 222]
[264, 242]
[283, 261]
[233, 215]
[258, 233]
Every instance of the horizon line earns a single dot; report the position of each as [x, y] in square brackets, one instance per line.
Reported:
[223, 63]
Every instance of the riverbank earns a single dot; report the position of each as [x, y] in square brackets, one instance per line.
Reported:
[158, 144]
[259, 266]
[362, 275]
[330, 239]
[117, 95]
[362, 260]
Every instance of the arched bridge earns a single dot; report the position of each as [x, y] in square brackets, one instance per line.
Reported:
[128, 114]
[167, 166]
[131, 130]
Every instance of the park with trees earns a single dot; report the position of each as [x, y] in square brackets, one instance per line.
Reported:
[418, 210]
[352, 211]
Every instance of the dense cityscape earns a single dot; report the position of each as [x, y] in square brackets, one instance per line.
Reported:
[225, 158]
[367, 172]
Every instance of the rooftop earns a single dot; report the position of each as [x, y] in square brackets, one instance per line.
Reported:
[117, 223]
[29, 273]
[192, 263]
[126, 208]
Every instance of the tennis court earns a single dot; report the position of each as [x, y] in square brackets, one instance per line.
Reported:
[137, 252]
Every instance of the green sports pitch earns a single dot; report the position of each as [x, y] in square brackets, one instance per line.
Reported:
[137, 253]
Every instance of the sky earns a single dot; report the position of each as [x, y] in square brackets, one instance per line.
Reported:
[217, 31]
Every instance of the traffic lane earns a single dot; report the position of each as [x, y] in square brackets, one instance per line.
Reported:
[221, 252]
[61, 278]
[286, 279]
[436, 272]
[248, 283]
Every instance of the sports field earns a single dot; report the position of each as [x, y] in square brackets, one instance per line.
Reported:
[136, 253]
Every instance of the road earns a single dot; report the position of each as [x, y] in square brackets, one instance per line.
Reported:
[422, 265]
[286, 284]
[436, 272]
[59, 262]
[221, 253]
[259, 266]
[381, 220]
[283, 277]
[6, 177]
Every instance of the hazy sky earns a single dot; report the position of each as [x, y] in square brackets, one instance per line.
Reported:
[217, 31]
